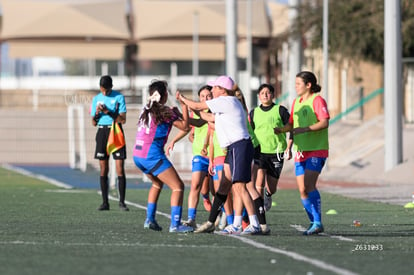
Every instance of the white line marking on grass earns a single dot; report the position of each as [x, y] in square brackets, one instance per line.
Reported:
[339, 237]
[138, 206]
[77, 191]
[296, 256]
[37, 176]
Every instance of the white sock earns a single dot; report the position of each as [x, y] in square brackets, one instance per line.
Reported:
[254, 221]
[237, 222]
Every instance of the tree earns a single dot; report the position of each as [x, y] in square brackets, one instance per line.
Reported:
[356, 28]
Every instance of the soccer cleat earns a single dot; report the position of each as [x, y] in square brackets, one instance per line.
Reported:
[265, 229]
[207, 204]
[267, 202]
[181, 229]
[230, 230]
[123, 206]
[152, 225]
[251, 230]
[103, 207]
[314, 230]
[190, 223]
[206, 227]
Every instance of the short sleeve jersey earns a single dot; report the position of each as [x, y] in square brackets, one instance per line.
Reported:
[110, 101]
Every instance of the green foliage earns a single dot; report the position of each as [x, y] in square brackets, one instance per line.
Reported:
[356, 28]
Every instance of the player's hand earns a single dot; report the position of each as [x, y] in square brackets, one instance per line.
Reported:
[277, 130]
[169, 147]
[288, 154]
[211, 170]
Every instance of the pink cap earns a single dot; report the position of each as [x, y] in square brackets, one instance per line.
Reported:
[223, 81]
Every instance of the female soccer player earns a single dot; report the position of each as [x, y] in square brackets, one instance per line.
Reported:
[154, 126]
[200, 162]
[309, 121]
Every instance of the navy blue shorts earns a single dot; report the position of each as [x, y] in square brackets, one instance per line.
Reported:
[239, 157]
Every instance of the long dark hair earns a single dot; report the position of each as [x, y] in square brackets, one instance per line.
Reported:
[309, 77]
[159, 112]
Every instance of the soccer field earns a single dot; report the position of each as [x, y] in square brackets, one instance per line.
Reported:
[48, 230]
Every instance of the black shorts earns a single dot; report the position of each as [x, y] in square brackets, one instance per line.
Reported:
[102, 139]
[256, 156]
[272, 163]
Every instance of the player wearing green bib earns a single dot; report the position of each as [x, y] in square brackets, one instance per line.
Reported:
[309, 122]
[200, 162]
[264, 119]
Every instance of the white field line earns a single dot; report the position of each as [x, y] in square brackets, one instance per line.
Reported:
[294, 255]
[72, 191]
[37, 176]
[341, 238]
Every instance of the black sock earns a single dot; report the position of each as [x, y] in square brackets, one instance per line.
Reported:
[218, 202]
[104, 189]
[122, 188]
[260, 212]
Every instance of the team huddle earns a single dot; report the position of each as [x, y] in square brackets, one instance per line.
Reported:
[238, 155]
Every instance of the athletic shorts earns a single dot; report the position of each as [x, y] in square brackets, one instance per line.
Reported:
[102, 139]
[153, 166]
[256, 156]
[217, 168]
[199, 164]
[239, 157]
[273, 163]
[313, 163]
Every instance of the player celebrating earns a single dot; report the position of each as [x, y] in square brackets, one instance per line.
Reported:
[154, 126]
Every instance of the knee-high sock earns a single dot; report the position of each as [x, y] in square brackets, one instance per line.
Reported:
[315, 200]
[307, 205]
[122, 188]
[192, 213]
[104, 188]
[151, 211]
[176, 215]
[218, 202]
[260, 212]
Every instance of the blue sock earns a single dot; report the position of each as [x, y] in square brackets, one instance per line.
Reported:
[192, 213]
[151, 210]
[307, 205]
[230, 218]
[175, 215]
[315, 200]
[244, 214]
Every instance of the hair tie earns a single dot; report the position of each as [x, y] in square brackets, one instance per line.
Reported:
[155, 97]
